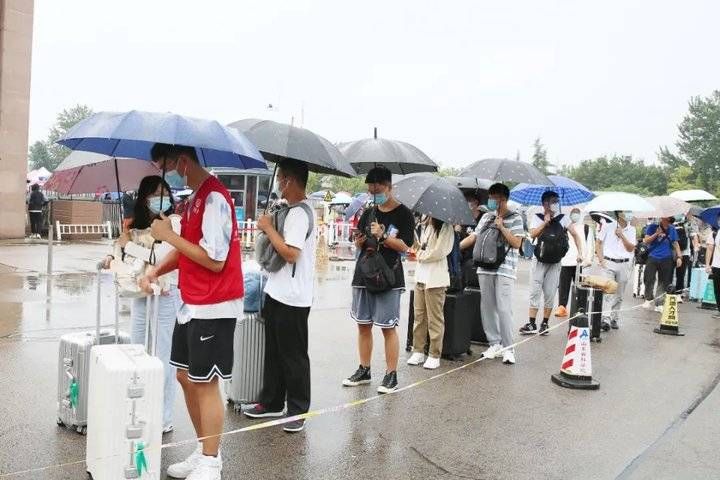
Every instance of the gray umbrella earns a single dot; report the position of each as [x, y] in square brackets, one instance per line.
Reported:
[399, 157]
[470, 183]
[504, 170]
[278, 140]
[434, 196]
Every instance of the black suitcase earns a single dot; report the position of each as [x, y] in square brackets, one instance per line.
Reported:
[459, 316]
[478, 332]
[588, 299]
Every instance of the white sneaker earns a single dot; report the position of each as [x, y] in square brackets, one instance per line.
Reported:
[209, 468]
[492, 352]
[659, 309]
[416, 358]
[186, 467]
[432, 363]
[509, 357]
[648, 305]
[168, 428]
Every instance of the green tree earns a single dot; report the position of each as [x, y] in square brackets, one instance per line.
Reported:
[619, 173]
[448, 172]
[50, 154]
[681, 178]
[699, 142]
[539, 157]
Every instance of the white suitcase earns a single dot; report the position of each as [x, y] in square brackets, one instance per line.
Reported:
[125, 410]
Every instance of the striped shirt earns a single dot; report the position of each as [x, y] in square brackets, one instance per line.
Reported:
[513, 223]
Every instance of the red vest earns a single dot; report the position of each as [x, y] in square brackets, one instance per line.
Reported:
[198, 285]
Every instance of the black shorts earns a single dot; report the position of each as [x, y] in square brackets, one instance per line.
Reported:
[204, 348]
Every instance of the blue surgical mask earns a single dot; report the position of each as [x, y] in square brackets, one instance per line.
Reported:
[380, 198]
[158, 205]
[492, 204]
[174, 179]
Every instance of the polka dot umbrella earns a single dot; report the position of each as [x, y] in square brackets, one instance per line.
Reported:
[434, 196]
[504, 170]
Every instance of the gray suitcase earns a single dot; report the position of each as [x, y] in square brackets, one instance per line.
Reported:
[248, 363]
[74, 364]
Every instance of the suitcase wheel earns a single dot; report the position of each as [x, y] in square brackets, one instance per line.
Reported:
[81, 430]
[60, 423]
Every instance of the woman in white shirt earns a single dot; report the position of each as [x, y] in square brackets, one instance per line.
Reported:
[138, 249]
[432, 279]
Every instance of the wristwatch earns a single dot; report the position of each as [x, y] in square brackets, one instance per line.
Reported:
[383, 237]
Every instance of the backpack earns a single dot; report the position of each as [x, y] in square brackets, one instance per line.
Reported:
[454, 261]
[552, 244]
[682, 237]
[265, 254]
[642, 250]
[490, 248]
[377, 276]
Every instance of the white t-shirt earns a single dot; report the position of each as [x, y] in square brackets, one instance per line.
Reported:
[612, 245]
[716, 251]
[570, 258]
[216, 230]
[295, 290]
[536, 221]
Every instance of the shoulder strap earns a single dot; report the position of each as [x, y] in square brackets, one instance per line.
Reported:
[309, 213]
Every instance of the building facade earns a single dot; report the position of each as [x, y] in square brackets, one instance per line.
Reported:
[16, 25]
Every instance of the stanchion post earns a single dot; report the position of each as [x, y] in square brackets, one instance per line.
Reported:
[48, 279]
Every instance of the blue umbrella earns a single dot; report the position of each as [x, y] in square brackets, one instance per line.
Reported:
[710, 215]
[132, 135]
[570, 192]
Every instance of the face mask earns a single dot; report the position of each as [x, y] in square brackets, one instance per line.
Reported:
[158, 205]
[575, 217]
[680, 218]
[380, 199]
[555, 208]
[174, 179]
[492, 204]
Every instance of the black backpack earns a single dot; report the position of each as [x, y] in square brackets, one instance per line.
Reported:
[376, 274]
[552, 244]
[490, 248]
[682, 237]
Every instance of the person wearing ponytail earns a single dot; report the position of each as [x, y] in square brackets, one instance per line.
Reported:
[136, 247]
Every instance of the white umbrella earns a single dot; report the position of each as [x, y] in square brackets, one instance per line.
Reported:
[341, 199]
[666, 206]
[619, 202]
[693, 195]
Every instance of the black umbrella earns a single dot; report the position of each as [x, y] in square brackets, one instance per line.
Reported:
[434, 196]
[277, 141]
[399, 157]
[470, 183]
[504, 170]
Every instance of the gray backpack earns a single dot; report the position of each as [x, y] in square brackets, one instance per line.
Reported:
[265, 254]
[490, 248]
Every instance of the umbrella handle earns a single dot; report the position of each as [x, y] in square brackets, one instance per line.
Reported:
[272, 184]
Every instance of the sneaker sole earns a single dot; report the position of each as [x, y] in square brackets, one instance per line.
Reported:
[384, 390]
[528, 333]
[264, 415]
[505, 362]
[294, 430]
[348, 383]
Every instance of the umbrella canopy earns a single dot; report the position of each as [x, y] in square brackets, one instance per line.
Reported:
[132, 135]
[470, 183]
[504, 170]
[357, 203]
[86, 172]
[693, 195]
[341, 199]
[666, 206]
[619, 202]
[436, 197]
[600, 217]
[570, 192]
[710, 215]
[278, 140]
[399, 157]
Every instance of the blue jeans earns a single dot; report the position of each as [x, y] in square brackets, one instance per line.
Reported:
[168, 306]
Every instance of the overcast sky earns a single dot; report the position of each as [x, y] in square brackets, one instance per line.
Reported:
[462, 80]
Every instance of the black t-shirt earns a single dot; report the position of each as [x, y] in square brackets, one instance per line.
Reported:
[399, 219]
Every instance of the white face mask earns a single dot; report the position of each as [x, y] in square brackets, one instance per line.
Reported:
[555, 208]
[575, 217]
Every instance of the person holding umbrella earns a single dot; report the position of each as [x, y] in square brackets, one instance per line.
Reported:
[384, 232]
[665, 255]
[208, 258]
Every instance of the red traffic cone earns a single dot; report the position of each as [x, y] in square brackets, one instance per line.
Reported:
[576, 368]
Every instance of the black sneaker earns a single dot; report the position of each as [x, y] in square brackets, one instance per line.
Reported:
[528, 329]
[389, 383]
[360, 377]
[544, 328]
[261, 411]
[614, 324]
[294, 427]
[605, 326]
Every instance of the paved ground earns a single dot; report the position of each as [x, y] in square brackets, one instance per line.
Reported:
[654, 417]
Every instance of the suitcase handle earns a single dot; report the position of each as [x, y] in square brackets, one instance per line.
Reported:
[152, 313]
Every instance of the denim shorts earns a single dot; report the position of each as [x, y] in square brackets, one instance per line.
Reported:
[381, 309]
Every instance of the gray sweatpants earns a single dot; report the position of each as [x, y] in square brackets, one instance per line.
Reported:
[620, 272]
[545, 278]
[496, 308]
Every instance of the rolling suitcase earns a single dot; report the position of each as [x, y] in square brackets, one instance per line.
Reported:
[73, 364]
[638, 279]
[588, 300]
[708, 299]
[248, 347]
[459, 318]
[478, 332]
[125, 407]
[698, 280]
